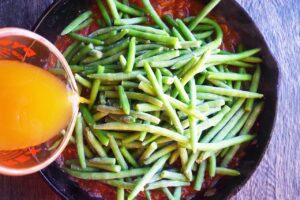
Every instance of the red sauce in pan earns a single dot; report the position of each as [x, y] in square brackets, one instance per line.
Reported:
[178, 9]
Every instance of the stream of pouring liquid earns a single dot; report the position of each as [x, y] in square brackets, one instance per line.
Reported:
[34, 105]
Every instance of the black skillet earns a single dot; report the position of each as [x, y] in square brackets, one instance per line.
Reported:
[63, 11]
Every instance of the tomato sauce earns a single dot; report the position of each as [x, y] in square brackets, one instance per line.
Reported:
[177, 9]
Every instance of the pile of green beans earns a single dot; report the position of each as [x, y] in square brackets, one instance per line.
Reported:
[156, 94]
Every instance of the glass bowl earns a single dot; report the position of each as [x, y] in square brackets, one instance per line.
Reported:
[26, 46]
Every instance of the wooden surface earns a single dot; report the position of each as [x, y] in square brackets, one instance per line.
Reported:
[278, 176]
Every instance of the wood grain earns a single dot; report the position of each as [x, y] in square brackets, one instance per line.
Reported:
[278, 175]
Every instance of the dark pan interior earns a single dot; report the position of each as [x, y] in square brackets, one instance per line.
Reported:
[63, 11]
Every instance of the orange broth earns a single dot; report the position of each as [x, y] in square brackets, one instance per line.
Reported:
[34, 105]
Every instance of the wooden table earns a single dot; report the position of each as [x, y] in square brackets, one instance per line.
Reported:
[278, 176]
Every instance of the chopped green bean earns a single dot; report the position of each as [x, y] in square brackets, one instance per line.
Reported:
[76, 22]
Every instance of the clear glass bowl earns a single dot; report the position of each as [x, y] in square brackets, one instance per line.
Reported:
[25, 46]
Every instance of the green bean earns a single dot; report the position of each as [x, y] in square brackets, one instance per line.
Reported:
[107, 175]
[212, 121]
[128, 157]
[95, 87]
[142, 127]
[116, 76]
[120, 194]
[131, 55]
[71, 50]
[229, 155]
[155, 16]
[145, 117]
[148, 175]
[140, 28]
[105, 36]
[183, 155]
[180, 88]
[199, 67]
[87, 115]
[219, 83]
[167, 193]
[211, 134]
[104, 12]
[131, 138]
[160, 153]
[128, 9]
[173, 176]
[82, 53]
[148, 195]
[123, 100]
[169, 19]
[166, 183]
[190, 44]
[203, 27]
[149, 54]
[113, 9]
[145, 107]
[76, 22]
[136, 96]
[136, 20]
[187, 170]
[203, 13]
[142, 47]
[215, 146]
[238, 63]
[166, 40]
[253, 60]
[107, 167]
[133, 145]
[229, 76]
[232, 57]
[129, 85]
[238, 126]
[227, 172]
[83, 81]
[147, 153]
[123, 62]
[229, 126]
[106, 87]
[164, 56]
[117, 37]
[150, 139]
[106, 160]
[238, 84]
[253, 88]
[88, 153]
[203, 35]
[87, 169]
[209, 96]
[166, 72]
[252, 118]
[174, 157]
[122, 45]
[159, 77]
[228, 92]
[188, 35]
[185, 108]
[92, 59]
[83, 25]
[158, 90]
[177, 34]
[177, 193]
[212, 165]
[79, 140]
[117, 153]
[85, 39]
[200, 176]
[95, 144]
